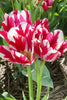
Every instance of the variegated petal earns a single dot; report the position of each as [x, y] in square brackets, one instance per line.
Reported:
[43, 23]
[58, 39]
[6, 53]
[15, 18]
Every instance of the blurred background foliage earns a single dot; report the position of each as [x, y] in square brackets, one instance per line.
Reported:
[57, 14]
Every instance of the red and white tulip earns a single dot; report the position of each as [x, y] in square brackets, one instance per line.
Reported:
[20, 49]
[46, 4]
[47, 45]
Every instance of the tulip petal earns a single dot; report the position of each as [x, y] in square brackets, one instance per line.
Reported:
[3, 34]
[52, 55]
[63, 48]
[8, 22]
[20, 44]
[5, 53]
[40, 33]
[24, 29]
[41, 48]
[12, 33]
[15, 18]
[45, 6]
[22, 59]
[43, 23]
[14, 56]
[58, 39]
[26, 16]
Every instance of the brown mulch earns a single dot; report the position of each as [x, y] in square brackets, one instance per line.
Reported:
[15, 86]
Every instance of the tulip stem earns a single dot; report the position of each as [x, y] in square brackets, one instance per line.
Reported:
[30, 83]
[12, 4]
[37, 70]
[35, 12]
[39, 79]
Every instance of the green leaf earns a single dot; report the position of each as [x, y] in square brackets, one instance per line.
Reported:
[1, 41]
[65, 37]
[56, 14]
[47, 95]
[17, 5]
[5, 43]
[46, 79]
[6, 96]
[15, 75]
[24, 96]
[1, 13]
[65, 98]
[35, 11]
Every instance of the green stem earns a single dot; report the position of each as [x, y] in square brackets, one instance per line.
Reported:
[35, 13]
[23, 4]
[37, 70]
[39, 83]
[30, 83]
[12, 4]
[62, 23]
[30, 3]
[20, 5]
[53, 10]
[31, 9]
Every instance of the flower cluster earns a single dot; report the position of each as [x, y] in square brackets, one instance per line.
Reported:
[26, 39]
[46, 4]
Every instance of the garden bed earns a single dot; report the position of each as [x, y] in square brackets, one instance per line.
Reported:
[15, 86]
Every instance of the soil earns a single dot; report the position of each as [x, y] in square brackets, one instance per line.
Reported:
[15, 86]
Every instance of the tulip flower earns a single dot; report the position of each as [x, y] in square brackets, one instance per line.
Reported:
[20, 49]
[46, 4]
[49, 46]
[15, 18]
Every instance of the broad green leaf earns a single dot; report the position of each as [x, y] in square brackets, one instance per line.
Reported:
[65, 98]
[46, 79]
[4, 98]
[7, 96]
[24, 97]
